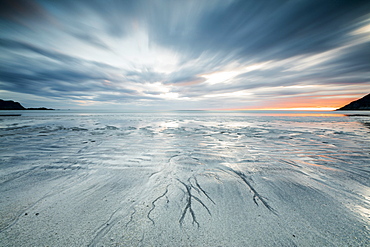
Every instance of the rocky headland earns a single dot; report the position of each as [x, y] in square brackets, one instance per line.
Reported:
[12, 105]
[360, 104]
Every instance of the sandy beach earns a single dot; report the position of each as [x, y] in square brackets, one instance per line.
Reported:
[184, 180]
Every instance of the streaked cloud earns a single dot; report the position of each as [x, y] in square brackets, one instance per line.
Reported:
[184, 54]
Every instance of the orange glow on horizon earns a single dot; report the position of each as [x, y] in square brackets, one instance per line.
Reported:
[306, 103]
[299, 109]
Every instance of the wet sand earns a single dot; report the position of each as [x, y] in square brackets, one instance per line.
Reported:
[184, 182]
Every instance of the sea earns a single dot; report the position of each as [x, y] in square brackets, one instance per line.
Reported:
[165, 178]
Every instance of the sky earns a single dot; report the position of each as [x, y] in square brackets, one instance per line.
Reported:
[184, 55]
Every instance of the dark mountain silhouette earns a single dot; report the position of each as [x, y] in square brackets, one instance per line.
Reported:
[11, 105]
[360, 104]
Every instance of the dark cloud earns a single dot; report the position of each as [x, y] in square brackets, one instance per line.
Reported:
[354, 60]
[262, 29]
[20, 10]
[48, 83]
[61, 83]
[75, 49]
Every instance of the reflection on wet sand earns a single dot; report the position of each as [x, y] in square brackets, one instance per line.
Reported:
[184, 180]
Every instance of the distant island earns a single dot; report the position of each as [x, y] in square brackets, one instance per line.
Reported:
[11, 105]
[357, 105]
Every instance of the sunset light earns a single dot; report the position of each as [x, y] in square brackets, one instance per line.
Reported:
[150, 55]
[184, 123]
